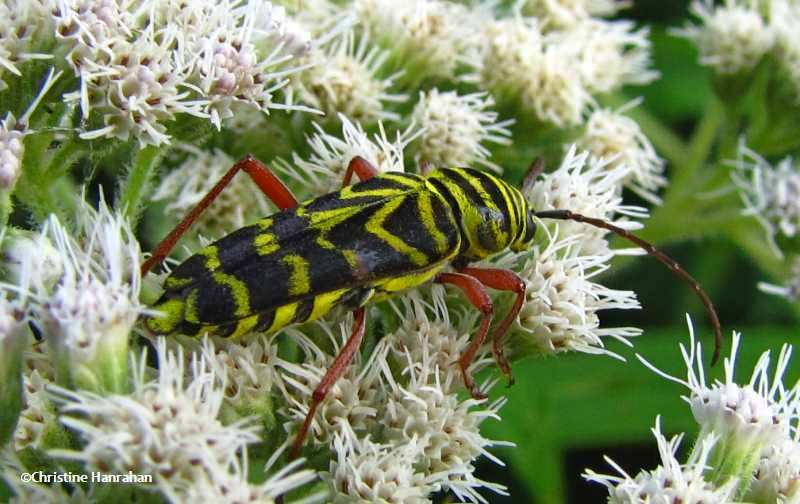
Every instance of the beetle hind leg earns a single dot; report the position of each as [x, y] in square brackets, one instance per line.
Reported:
[337, 369]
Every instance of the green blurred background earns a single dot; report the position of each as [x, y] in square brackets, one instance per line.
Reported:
[566, 413]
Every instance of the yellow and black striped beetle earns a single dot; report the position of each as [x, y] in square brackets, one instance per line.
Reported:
[384, 235]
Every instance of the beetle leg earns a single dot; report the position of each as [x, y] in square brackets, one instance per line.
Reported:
[362, 168]
[503, 280]
[269, 184]
[479, 298]
[337, 369]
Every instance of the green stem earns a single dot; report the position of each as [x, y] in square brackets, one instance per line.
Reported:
[699, 147]
[137, 184]
[5, 209]
[68, 153]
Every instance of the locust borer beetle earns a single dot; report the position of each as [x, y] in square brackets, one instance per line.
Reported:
[369, 241]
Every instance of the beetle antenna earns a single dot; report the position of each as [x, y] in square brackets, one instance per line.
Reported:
[653, 251]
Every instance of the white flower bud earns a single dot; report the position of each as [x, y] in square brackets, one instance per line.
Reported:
[671, 481]
[454, 128]
[732, 37]
[613, 136]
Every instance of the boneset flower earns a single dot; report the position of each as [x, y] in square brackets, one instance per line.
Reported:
[429, 38]
[562, 300]
[167, 427]
[88, 313]
[611, 135]
[566, 13]
[27, 27]
[589, 186]
[749, 419]
[323, 171]
[731, 37]
[671, 481]
[345, 78]
[454, 127]
[770, 193]
[140, 66]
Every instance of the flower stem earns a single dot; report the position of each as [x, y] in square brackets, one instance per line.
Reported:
[137, 184]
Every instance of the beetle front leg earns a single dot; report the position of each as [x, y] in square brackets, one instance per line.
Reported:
[503, 280]
[269, 184]
[337, 369]
[479, 298]
[363, 169]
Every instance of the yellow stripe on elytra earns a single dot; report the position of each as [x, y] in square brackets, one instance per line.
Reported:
[405, 282]
[266, 243]
[265, 223]
[190, 311]
[244, 326]
[375, 226]
[173, 282]
[428, 220]
[325, 303]
[170, 316]
[241, 296]
[284, 315]
[211, 253]
[299, 282]
[347, 193]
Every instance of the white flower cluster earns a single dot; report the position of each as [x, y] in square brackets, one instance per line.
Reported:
[565, 13]
[26, 29]
[169, 428]
[590, 186]
[784, 17]
[139, 66]
[553, 73]
[429, 38]
[344, 78]
[732, 37]
[453, 128]
[735, 35]
[770, 193]
[669, 482]
[747, 450]
[324, 170]
[398, 423]
[82, 291]
[613, 136]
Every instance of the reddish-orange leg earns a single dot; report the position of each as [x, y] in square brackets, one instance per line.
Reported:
[337, 369]
[503, 280]
[269, 184]
[479, 298]
[361, 167]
